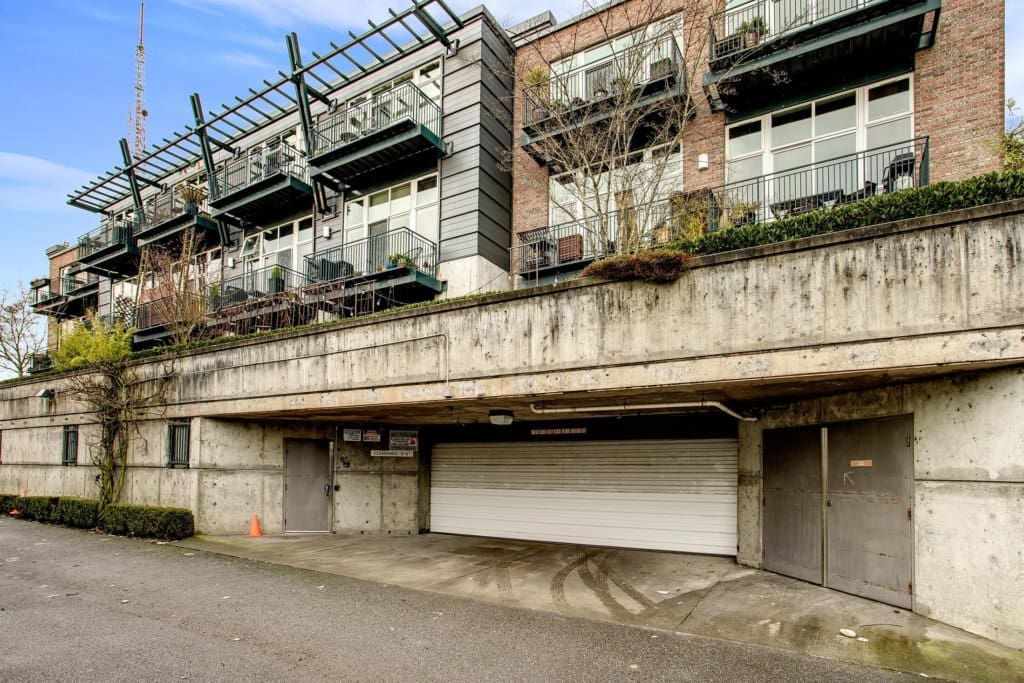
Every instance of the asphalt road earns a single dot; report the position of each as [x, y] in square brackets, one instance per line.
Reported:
[76, 605]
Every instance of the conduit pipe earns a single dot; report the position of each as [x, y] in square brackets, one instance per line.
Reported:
[645, 406]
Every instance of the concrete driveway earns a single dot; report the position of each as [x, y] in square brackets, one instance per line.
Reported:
[702, 595]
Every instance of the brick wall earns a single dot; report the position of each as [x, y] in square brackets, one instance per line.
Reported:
[58, 261]
[958, 89]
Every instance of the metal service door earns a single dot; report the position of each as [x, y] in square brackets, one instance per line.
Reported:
[793, 502]
[869, 544]
[307, 486]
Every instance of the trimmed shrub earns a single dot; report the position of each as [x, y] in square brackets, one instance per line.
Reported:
[39, 508]
[147, 521]
[7, 502]
[911, 203]
[81, 513]
[653, 265]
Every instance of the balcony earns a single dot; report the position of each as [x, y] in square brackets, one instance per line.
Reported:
[110, 248]
[266, 183]
[358, 145]
[641, 76]
[572, 245]
[255, 285]
[399, 260]
[768, 51]
[39, 362]
[74, 295]
[821, 185]
[168, 216]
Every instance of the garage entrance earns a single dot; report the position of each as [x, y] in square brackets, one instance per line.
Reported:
[837, 506]
[656, 494]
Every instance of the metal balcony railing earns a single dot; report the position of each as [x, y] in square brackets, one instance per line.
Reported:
[109, 233]
[376, 112]
[39, 362]
[259, 163]
[820, 185]
[582, 240]
[167, 205]
[622, 73]
[396, 249]
[43, 294]
[754, 23]
[255, 284]
[70, 283]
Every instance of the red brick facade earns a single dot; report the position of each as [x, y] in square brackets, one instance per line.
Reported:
[958, 88]
[57, 261]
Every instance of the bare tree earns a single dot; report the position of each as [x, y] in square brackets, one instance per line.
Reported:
[21, 332]
[610, 130]
[179, 292]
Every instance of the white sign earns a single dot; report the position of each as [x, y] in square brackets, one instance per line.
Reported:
[404, 438]
[392, 454]
[353, 435]
[372, 435]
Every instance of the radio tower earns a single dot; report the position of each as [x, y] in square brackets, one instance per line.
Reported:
[137, 115]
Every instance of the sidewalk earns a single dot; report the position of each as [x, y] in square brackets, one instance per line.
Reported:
[697, 594]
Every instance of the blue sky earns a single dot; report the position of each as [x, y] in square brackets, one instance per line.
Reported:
[68, 74]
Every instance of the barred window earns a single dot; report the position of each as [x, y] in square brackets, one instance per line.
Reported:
[177, 444]
[69, 453]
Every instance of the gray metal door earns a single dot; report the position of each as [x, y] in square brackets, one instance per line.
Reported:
[792, 502]
[307, 485]
[869, 546]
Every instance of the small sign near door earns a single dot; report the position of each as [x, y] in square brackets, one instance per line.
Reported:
[353, 435]
[402, 439]
[861, 463]
[392, 454]
[371, 435]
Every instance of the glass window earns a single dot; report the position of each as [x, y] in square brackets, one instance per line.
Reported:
[378, 206]
[744, 139]
[792, 158]
[426, 191]
[744, 169]
[835, 115]
[791, 126]
[889, 133]
[830, 148]
[401, 198]
[354, 212]
[251, 245]
[889, 99]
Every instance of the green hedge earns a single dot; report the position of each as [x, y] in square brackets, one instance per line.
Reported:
[148, 522]
[121, 519]
[911, 203]
[39, 508]
[81, 513]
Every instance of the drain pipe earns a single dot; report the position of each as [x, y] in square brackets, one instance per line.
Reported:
[645, 406]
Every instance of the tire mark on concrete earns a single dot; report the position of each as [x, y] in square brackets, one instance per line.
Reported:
[558, 581]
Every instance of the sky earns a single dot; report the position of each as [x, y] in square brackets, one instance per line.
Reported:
[68, 71]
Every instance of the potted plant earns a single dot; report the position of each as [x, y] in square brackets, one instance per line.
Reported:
[752, 30]
[742, 213]
[276, 280]
[534, 81]
[398, 260]
[192, 196]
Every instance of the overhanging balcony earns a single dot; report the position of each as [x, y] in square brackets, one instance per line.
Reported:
[74, 295]
[168, 216]
[399, 260]
[110, 248]
[772, 50]
[255, 285]
[262, 185]
[363, 142]
[649, 75]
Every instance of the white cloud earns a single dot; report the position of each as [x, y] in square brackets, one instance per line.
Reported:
[33, 184]
[245, 60]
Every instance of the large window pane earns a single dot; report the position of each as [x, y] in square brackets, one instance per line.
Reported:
[401, 198]
[889, 133]
[835, 115]
[832, 148]
[889, 99]
[426, 191]
[791, 185]
[354, 213]
[837, 175]
[743, 169]
[379, 206]
[744, 139]
[426, 223]
[791, 126]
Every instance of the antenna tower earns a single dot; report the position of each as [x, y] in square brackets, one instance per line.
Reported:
[137, 115]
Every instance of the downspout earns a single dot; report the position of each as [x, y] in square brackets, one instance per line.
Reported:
[644, 406]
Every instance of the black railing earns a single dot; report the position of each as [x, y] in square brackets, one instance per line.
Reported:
[167, 205]
[253, 285]
[70, 283]
[257, 164]
[42, 295]
[399, 248]
[576, 242]
[621, 74]
[754, 23]
[40, 362]
[375, 112]
[110, 233]
[824, 184]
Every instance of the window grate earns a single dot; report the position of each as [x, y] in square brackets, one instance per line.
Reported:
[177, 444]
[69, 453]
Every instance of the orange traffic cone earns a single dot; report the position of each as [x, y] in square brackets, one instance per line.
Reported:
[254, 526]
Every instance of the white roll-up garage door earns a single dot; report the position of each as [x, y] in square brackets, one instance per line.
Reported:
[659, 494]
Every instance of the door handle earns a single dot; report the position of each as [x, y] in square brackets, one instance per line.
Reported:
[327, 490]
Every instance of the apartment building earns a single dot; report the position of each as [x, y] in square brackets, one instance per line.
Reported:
[368, 178]
[720, 414]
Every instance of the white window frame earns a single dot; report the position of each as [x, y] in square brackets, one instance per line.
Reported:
[357, 231]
